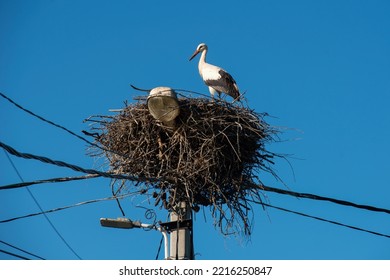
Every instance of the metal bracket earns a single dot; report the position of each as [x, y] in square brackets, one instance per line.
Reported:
[175, 225]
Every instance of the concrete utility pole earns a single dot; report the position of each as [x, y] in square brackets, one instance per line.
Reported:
[181, 243]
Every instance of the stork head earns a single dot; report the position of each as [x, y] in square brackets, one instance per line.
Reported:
[201, 47]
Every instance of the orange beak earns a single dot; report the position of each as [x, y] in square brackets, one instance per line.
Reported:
[195, 53]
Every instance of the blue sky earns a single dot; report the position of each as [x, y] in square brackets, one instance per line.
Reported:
[320, 68]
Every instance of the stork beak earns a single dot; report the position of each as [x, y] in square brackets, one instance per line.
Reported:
[195, 53]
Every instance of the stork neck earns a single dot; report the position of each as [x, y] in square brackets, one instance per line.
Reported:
[202, 60]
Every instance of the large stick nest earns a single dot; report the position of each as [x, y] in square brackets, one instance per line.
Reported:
[213, 156]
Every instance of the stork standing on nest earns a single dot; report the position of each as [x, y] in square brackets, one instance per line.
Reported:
[217, 79]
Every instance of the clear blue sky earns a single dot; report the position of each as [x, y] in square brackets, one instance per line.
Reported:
[321, 68]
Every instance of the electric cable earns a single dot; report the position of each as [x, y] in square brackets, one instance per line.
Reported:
[51, 180]
[65, 207]
[14, 152]
[60, 126]
[45, 120]
[133, 178]
[159, 248]
[24, 251]
[326, 220]
[15, 255]
[317, 197]
[40, 208]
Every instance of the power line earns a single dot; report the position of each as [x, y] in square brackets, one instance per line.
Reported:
[264, 204]
[40, 208]
[317, 197]
[67, 207]
[159, 248]
[15, 255]
[60, 126]
[119, 176]
[133, 178]
[265, 188]
[51, 180]
[14, 152]
[24, 251]
[328, 221]
[47, 121]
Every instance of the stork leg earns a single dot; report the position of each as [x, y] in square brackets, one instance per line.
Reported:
[212, 92]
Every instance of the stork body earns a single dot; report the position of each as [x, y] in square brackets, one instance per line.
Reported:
[217, 79]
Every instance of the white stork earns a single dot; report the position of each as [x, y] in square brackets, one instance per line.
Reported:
[217, 79]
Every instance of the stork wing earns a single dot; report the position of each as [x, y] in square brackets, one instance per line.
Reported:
[225, 83]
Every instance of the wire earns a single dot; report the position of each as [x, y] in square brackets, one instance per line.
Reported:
[52, 180]
[60, 126]
[15, 255]
[24, 251]
[14, 152]
[47, 121]
[265, 188]
[317, 197]
[117, 200]
[40, 208]
[119, 176]
[325, 220]
[159, 248]
[66, 207]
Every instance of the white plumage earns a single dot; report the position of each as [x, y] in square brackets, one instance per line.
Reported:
[217, 79]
